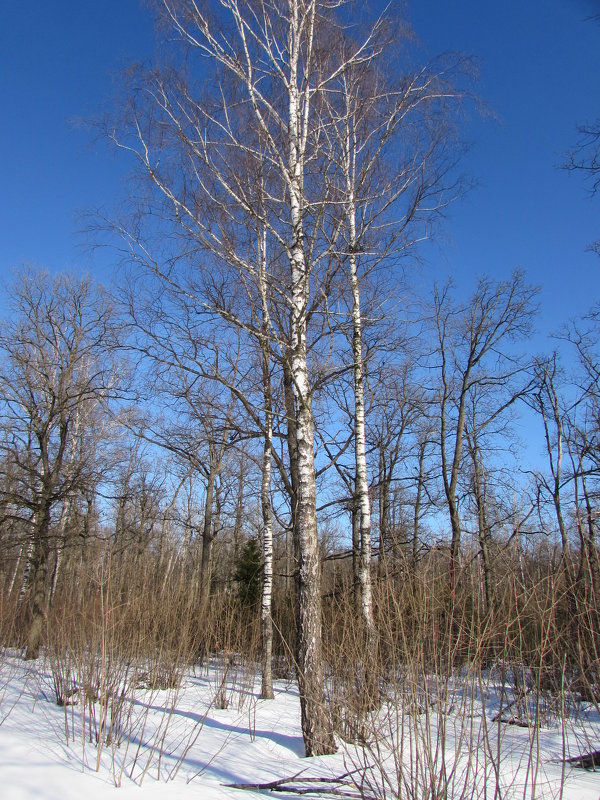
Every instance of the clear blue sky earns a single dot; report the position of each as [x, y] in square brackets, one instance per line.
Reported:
[540, 74]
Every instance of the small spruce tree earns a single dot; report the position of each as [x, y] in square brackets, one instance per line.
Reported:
[248, 573]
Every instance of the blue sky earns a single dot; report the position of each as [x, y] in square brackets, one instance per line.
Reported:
[60, 61]
[539, 74]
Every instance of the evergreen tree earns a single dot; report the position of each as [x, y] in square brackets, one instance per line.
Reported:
[248, 572]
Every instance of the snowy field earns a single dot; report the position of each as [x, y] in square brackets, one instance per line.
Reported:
[178, 743]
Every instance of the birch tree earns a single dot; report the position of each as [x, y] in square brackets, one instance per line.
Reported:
[390, 170]
[270, 59]
[239, 157]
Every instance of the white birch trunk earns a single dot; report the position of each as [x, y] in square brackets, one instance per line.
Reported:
[316, 725]
[266, 618]
[287, 129]
[27, 571]
[60, 548]
[15, 572]
[360, 453]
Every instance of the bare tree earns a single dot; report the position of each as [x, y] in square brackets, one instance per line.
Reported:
[585, 337]
[58, 372]
[243, 178]
[489, 440]
[271, 58]
[473, 351]
[215, 396]
[199, 433]
[396, 408]
[547, 401]
[390, 174]
[583, 437]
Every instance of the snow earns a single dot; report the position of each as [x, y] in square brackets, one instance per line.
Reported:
[178, 744]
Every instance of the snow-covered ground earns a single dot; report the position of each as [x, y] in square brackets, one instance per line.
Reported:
[178, 744]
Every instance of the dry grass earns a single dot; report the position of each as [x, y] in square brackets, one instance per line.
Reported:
[118, 628]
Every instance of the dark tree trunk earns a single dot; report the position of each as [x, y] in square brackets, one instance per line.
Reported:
[208, 536]
[38, 579]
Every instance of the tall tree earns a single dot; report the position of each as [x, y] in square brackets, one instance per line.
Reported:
[546, 399]
[215, 402]
[472, 352]
[242, 159]
[57, 374]
[387, 190]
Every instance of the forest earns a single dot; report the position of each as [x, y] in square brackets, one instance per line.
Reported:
[268, 444]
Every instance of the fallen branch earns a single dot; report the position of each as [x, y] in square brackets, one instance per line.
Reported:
[334, 787]
[586, 761]
[500, 716]
[516, 721]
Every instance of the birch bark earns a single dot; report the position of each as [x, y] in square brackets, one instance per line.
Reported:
[265, 488]
[360, 453]
[316, 725]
